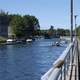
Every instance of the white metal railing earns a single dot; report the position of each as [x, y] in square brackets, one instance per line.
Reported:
[63, 65]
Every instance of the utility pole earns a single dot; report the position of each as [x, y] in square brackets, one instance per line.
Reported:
[75, 25]
[71, 20]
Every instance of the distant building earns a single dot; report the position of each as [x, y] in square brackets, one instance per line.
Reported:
[4, 25]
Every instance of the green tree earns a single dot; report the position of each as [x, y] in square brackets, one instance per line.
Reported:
[25, 26]
[78, 31]
[22, 26]
[32, 24]
[18, 26]
[67, 32]
[51, 31]
[60, 32]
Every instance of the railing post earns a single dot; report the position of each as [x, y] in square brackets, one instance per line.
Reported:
[71, 20]
[78, 61]
[65, 71]
[61, 73]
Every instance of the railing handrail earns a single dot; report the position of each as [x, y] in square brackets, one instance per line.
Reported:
[62, 57]
[54, 72]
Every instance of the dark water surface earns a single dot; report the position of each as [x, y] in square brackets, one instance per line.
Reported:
[29, 61]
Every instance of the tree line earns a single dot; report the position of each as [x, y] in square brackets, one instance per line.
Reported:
[28, 26]
[21, 26]
[52, 32]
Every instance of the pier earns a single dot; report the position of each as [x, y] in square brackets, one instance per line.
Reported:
[66, 67]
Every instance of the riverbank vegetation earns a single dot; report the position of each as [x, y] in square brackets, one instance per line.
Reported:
[24, 26]
[21, 26]
[55, 33]
[78, 31]
[27, 26]
[2, 40]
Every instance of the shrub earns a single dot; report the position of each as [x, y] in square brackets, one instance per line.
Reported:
[2, 40]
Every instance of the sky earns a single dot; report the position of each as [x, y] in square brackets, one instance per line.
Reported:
[49, 12]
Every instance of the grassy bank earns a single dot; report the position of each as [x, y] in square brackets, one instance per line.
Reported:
[78, 37]
[2, 40]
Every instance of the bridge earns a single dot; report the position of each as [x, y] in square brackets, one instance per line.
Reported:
[66, 67]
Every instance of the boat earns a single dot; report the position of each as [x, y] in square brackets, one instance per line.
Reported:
[56, 44]
[10, 41]
[29, 40]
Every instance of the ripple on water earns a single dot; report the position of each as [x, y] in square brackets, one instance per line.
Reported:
[29, 61]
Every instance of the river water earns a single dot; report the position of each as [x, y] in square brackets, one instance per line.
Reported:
[28, 61]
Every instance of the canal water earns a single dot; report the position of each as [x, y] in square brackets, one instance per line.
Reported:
[28, 61]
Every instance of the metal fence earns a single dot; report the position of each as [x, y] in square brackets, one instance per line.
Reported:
[63, 67]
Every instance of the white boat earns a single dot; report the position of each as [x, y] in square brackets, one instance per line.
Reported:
[57, 44]
[29, 40]
[10, 40]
